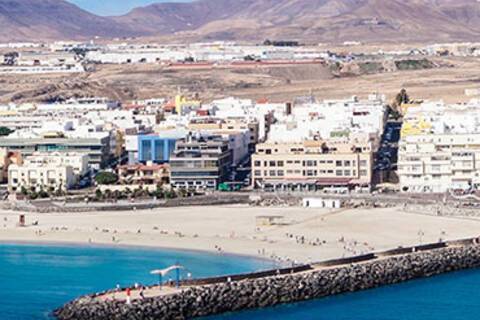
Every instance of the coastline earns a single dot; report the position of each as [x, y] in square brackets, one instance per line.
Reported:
[308, 235]
[66, 243]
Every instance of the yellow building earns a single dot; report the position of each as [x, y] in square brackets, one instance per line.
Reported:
[182, 102]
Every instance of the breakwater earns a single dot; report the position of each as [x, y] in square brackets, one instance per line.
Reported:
[219, 295]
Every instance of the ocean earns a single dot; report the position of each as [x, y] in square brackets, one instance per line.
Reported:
[451, 296]
[34, 280]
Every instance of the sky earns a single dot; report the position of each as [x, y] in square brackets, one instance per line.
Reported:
[115, 7]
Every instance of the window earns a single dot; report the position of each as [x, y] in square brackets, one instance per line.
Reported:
[159, 150]
[310, 163]
[272, 164]
[280, 173]
[257, 173]
[273, 173]
[280, 164]
[338, 163]
[310, 173]
[347, 173]
[363, 173]
[257, 163]
[347, 163]
[363, 163]
[268, 151]
[339, 173]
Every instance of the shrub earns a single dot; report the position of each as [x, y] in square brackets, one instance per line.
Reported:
[106, 178]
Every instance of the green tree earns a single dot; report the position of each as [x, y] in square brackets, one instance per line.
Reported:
[98, 194]
[4, 131]
[106, 178]
[23, 191]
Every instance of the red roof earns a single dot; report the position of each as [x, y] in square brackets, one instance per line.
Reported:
[262, 101]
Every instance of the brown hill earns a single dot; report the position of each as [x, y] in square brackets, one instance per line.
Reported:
[53, 19]
[316, 20]
[307, 20]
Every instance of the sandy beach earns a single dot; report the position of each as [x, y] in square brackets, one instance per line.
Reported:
[306, 235]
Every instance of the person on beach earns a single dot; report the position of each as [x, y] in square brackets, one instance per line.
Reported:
[142, 294]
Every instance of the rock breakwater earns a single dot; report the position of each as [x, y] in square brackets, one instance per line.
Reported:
[320, 280]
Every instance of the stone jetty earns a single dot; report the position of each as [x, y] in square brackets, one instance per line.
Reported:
[206, 297]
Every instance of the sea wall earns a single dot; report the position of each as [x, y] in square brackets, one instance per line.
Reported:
[258, 292]
[47, 206]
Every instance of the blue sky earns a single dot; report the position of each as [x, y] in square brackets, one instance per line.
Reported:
[115, 7]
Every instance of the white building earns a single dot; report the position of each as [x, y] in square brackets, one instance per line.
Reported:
[440, 148]
[47, 171]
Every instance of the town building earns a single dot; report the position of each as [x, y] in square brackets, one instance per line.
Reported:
[96, 148]
[144, 174]
[439, 149]
[153, 148]
[201, 162]
[49, 172]
[312, 165]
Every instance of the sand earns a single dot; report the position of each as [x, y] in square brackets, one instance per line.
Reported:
[233, 229]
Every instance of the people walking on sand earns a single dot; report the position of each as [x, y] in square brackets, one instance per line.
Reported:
[142, 293]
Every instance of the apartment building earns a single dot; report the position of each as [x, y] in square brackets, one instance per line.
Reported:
[200, 162]
[438, 163]
[439, 149]
[312, 165]
[47, 171]
[97, 148]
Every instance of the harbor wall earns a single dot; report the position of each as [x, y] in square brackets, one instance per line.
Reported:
[316, 281]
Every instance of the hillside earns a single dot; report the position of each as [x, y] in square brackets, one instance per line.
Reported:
[315, 20]
[53, 19]
[307, 20]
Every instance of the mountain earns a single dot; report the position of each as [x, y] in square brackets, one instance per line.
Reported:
[305, 20]
[316, 20]
[53, 19]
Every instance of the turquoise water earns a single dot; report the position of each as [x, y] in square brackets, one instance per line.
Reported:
[34, 280]
[454, 296]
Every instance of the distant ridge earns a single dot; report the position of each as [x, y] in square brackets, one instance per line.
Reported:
[53, 19]
[306, 20]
